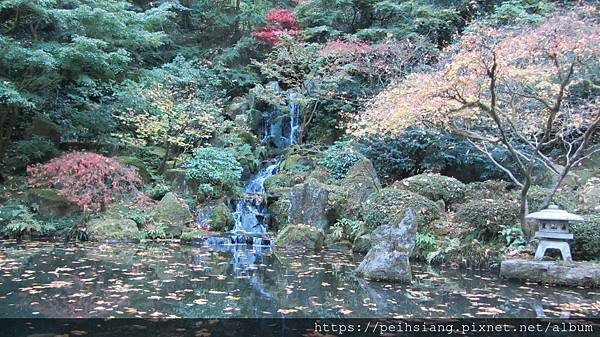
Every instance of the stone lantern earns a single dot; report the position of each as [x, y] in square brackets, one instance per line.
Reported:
[553, 231]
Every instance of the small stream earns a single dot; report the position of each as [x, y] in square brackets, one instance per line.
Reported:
[45, 279]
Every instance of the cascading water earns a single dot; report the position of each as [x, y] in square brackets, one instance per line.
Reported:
[250, 211]
[281, 129]
[294, 110]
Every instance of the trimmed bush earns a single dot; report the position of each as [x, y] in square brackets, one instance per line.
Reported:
[489, 189]
[389, 205]
[435, 187]
[586, 245]
[488, 216]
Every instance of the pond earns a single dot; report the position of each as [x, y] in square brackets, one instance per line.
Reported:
[49, 279]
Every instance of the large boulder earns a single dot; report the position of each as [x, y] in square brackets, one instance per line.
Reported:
[173, 213]
[180, 183]
[137, 164]
[111, 229]
[221, 218]
[308, 204]
[392, 245]
[301, 236]
[278, 213]
[360, 182]
[49, 204]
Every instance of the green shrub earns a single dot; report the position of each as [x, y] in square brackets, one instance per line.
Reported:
[339, 158]
[159, 232]
[389, 205]
[276, 181]
[30, 151]
[17, 220]
[215, 166]
[488, 216]
[518, 12]
[195, 233]
[536, 196]
[435, 187]
[418, 149]
[296, 164]
[489, 189]
[346, 229]
[158, 191]
[586, 245]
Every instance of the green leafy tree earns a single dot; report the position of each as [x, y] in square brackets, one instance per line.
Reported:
[61, 58]
[214, 168]
[176, 106]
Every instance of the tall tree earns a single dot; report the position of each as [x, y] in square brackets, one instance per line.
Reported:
[507, 86]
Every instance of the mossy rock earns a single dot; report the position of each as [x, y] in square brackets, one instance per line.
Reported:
[308, 204]
[435, 187]
[173, 213]
[180, 183]
[237, 106]
[301, 236]
[489, 189]
[44, 128]
[297, 164]
[136, 164]
[277, 181]
[362, 244]
[278, 211]
[537, 194]
[49, 204]
[221, 218]
[360, 182]
[488, 216]
[109, 229]
[390, 204]
[586, 245]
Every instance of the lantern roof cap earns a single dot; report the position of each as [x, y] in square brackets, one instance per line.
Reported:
[553, 213]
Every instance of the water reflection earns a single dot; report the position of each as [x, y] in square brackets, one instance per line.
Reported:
[126, 280]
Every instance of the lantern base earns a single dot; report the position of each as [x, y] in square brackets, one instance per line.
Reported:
[563, 246]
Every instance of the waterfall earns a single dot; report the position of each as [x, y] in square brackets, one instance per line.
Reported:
[279, 130]
[294, 110]
[250, 210]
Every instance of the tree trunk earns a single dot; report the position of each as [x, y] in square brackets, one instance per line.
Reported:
[163, 163]
[7, 124]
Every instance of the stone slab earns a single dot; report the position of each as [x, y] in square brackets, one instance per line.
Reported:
[568, 273]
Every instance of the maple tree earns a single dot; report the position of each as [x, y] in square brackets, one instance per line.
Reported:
[281, 22]
[88, 180]
[502, 86]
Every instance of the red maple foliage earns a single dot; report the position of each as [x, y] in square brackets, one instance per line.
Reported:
[281, 22]
[88, 180]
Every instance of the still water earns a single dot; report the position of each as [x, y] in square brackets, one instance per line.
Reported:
[46, 279]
